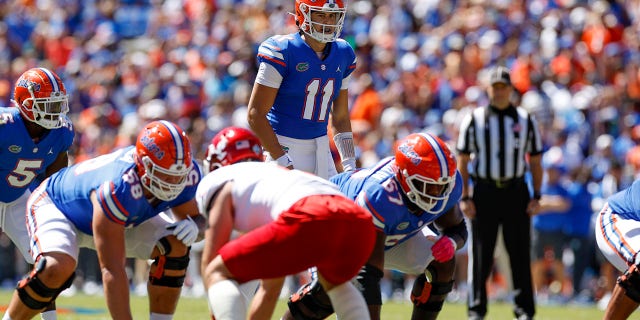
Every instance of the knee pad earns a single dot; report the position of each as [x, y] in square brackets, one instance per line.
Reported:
[311, 302]
[630, 282]
[427, 293]
[39, 288]
[162, 263]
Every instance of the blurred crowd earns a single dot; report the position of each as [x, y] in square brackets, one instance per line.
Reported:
[422, 64]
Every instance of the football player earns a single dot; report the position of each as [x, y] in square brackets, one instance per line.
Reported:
[617, 227]
[111, 203]
[412, 198]
[37, 135]
[301, 86]
[282, 217]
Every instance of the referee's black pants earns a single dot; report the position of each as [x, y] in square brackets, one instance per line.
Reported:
[494, 207]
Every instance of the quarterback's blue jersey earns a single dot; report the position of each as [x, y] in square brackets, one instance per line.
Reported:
[309, 85]
[626, 203]
[21, 159]
[118, 189]
[377, 190]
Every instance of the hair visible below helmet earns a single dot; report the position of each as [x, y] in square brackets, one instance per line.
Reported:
[426, 171]
[317, 30]
[163, 159]
[41, 97]
[231, 145]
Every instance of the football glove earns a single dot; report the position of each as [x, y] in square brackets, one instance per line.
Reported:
[444, 249]
[185, 230]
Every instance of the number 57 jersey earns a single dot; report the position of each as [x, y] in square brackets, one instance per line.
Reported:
[377, 190]
[118, 189]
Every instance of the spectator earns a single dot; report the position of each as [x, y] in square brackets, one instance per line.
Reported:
[577, 230]
[548, 238]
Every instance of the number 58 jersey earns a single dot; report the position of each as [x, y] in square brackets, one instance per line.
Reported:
[308, 86]
[118, 189]
[377, 190]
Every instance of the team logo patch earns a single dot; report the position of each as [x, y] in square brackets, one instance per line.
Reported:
[403, 226]
[15, 149]
[302, 66]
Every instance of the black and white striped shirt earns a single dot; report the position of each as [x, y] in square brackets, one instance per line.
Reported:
[498, 141]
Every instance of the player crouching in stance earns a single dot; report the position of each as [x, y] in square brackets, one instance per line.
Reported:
[405, 194]
[283, 217]
[112, 203]
[616, 230]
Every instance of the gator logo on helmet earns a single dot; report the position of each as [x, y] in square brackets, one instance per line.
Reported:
[24, 83]
[151, 145]
[411, 153]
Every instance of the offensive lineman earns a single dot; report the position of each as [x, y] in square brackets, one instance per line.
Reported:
[112, 203]
[617, 227]
[405, 194]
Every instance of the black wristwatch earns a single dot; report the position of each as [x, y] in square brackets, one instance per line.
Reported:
[466, 198]
[537, 195]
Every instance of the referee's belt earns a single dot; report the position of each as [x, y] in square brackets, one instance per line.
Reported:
[500, 183]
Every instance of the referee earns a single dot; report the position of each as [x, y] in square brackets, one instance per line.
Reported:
[496, 140]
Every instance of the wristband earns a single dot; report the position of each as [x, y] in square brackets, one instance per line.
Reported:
[537, 195]
[346, 149]
[466, 198]
[348, 164]
[284, 160]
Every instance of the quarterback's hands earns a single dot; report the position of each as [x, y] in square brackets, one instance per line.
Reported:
[444, 249]
[185, 230]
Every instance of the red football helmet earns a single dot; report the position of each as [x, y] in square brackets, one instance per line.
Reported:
[163, 159]
[231, 145]
[321, 30]
[41, 97]
[426, 171]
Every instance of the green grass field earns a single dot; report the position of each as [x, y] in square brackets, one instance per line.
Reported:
[83, 307]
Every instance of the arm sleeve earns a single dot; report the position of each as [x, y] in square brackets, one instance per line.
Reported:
[268, 76]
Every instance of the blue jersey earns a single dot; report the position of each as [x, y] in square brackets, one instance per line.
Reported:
[113, 176]
[626, 203]
[309, 85]
[21, 159]
[579, 215]
[551, 220]
[377, 190]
